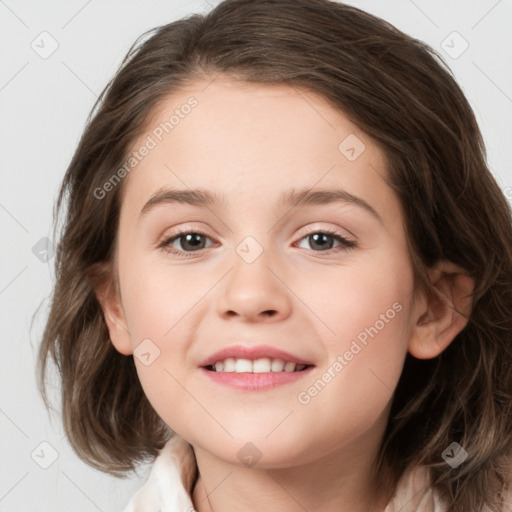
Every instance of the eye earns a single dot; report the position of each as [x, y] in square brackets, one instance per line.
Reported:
[188, 239]
[321, 238]
[192, 240]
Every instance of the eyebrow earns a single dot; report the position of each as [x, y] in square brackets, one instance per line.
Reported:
[293, 198]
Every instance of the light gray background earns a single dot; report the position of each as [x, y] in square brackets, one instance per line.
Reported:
[44, 104]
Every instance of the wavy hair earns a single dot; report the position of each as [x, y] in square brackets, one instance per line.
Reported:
[402, 94]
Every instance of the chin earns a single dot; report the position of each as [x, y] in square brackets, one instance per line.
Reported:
[255, 448]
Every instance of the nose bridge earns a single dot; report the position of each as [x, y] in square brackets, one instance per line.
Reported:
[252, 287]
[252, 232]
[250, 249]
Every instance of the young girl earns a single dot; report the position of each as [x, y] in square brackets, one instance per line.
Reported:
[286, 270]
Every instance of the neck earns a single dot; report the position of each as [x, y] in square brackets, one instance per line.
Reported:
[343, 481]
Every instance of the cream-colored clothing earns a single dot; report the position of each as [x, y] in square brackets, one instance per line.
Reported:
[173, 474]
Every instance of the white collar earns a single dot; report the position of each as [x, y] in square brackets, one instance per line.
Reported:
[173, 474]
[169, 484]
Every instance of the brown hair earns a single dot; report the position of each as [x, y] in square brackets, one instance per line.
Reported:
[402, 94]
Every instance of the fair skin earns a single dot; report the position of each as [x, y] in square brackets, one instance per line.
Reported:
[252, 143]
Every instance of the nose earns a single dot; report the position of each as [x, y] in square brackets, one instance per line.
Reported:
[255, 292]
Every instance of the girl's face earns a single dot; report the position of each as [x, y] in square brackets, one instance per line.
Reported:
[278, 167]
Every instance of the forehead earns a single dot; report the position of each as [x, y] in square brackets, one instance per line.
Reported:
[252, 142]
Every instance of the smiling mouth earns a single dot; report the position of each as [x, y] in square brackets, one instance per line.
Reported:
[260, 365]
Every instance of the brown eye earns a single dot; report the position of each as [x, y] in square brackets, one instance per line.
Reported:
[188, 241]
[325, 239]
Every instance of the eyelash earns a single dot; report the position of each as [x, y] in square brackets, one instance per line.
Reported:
[165, 244]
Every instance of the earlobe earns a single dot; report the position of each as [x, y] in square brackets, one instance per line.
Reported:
[113, 313]
[440, 319]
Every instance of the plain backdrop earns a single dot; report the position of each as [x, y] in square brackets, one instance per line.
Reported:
[44, 102]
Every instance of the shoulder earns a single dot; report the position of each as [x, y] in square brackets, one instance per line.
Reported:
[415, 493]
[170, 480]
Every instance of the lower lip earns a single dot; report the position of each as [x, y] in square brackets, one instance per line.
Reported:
[255, 381]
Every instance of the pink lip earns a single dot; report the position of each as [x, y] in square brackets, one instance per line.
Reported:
[241, 352]
[255, 381]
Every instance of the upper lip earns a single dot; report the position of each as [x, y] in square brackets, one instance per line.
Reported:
[256, 352]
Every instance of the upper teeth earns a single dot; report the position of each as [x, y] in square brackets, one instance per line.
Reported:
[262, 365]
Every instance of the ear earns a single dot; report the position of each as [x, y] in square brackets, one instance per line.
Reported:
[106, 291]
[438, 321]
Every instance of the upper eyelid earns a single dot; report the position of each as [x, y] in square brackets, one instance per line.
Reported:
[191, 229]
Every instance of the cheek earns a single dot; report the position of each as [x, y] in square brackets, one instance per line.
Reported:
[364, 300]
[160, 318]
[155, 298]
[355, 387]
[367, 311]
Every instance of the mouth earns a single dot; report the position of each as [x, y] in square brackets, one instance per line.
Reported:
[253, 359]
[254, 375]
[254, 368]
[261, 365]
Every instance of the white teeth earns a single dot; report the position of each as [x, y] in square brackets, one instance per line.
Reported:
[229, 365]
[277, 365]
[262, 365]
[289, 367]
[243, 365]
